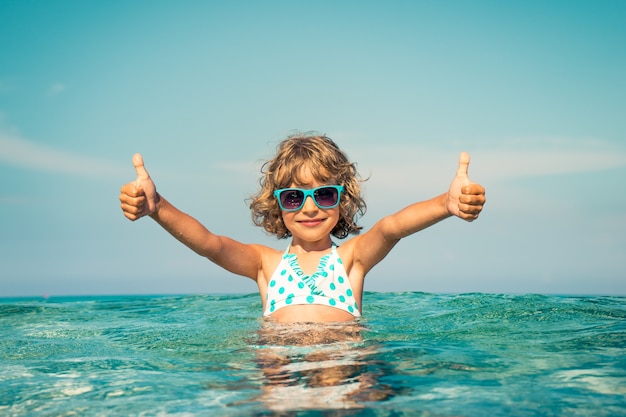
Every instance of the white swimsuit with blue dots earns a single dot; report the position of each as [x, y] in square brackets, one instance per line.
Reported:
[329, 285]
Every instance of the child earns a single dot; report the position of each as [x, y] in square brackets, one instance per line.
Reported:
[309, 191]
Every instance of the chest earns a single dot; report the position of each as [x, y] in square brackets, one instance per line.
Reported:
[308, 264]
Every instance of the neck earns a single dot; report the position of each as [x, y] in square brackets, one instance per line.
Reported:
[298, 246]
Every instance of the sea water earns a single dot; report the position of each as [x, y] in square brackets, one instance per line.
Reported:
[411, 354]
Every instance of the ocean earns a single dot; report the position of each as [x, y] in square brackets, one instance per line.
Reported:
[412, 354]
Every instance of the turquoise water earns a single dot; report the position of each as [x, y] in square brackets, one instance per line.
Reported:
[411, 354]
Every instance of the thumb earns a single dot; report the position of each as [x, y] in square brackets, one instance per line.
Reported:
[464, 160]
[142, 174]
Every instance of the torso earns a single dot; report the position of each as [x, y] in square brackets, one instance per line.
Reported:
[309, 288]
[310, 313]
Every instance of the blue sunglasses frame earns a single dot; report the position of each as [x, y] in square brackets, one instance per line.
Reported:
[309, 193]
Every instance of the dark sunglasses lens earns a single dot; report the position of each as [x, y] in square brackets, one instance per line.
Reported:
[291, 199]
[326, 197]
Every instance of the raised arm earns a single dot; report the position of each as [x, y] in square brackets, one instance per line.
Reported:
[139, 198]
[464, 199]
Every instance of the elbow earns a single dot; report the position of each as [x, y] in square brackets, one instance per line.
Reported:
[390, 230]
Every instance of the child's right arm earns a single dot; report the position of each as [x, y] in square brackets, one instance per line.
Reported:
[140, 198]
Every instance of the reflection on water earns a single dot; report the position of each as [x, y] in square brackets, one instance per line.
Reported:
[310, 366]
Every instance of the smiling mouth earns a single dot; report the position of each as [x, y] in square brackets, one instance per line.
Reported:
[311, 222]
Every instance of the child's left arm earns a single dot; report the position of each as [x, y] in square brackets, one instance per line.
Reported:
[464, 199]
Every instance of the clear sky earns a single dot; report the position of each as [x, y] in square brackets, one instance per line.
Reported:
[535, 91]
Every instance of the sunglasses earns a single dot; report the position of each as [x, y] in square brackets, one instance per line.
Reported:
[292, 199]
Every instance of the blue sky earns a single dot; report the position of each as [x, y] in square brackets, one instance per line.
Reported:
[534, 90]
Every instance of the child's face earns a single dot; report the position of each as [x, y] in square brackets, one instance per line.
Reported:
[310, 224]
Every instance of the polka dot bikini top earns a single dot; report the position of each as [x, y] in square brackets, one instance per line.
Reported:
[329, 285]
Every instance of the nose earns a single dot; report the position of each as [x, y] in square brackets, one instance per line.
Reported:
[309, 205]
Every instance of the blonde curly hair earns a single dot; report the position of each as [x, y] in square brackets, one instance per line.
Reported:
[321, 157]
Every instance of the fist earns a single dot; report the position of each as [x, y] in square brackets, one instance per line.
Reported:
[465, 198]
[139, 198]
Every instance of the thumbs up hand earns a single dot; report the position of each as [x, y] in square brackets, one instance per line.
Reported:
[465, 198]
[139, 198]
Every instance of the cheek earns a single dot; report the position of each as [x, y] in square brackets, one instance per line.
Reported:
[336, 215]
[287, 216]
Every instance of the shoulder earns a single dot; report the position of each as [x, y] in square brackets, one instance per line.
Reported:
[363, 252]
[270, 259]
[346, 251]
[266, 253]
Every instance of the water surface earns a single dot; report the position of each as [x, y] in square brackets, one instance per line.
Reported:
[411, 354]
